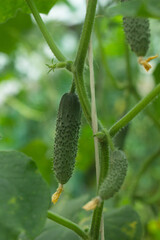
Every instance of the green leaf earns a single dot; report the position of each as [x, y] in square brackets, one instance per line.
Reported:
[71, 209]
[8, 8]
[13, 30]
[7, 233]
[24, 197]
[156, 74]
[55, 231]
[123, 223]
[134, 8]
[38, 151]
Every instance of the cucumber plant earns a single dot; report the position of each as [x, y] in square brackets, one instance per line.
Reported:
[111, 165]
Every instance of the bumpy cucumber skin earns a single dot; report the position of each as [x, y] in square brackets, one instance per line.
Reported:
[116, 175]
[137, 33]
[67, 134]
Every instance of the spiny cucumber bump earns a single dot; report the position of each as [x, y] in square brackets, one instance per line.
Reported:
[67, 134]
[137, 33]
[116, 175]
[112, 183]
[66, 140]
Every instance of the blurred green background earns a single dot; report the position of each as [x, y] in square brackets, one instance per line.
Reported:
[29, 99]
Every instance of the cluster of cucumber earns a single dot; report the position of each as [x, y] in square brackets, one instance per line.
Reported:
[69, 118]
[65, 148]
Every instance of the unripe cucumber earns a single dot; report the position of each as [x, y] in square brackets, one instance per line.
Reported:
[67, 133]
[116, 175]
[137, 33]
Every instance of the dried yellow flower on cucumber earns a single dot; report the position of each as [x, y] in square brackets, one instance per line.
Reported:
[137, 33]
[113, 181]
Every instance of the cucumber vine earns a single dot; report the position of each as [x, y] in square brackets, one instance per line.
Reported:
[103, 135]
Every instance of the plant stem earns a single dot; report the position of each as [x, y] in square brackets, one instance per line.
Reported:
[94, 123]
[44, 31]
[80, 59]
[85, 36]
[96, 221]
[67, 223]
[67, 65]
[97, 214]
[109, 139]
[81, 90]
[73, 87]
[150, 115]
[142, 170]
[134, 111]
[132, 89]
[93, 110]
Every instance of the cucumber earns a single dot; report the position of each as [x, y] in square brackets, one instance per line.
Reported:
[66, 139]
[116, 175]
[137, 34]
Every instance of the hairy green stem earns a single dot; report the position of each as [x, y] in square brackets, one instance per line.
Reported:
[97, 214]
[132, 89]
[44, 31]
[96, 221]
[95, 124]
[85, 36]
[110, 142]
[73, 87]
[142, 170]
[80, 59]
[67, 65]
[134, 111]
[81, 90]
[150, 115]
[67, 223]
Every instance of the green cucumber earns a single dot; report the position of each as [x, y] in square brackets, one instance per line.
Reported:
[116, 175]
[67, 134]
[137, 34]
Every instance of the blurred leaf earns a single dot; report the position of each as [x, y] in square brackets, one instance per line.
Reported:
[7, 233]
[24, 197]
[69, 208]
[154, 229]
[147, 8]
[25, 110]
[8, 8]
[38, 151]
[12, 31]
[73, 213]
[156, 74]
[55, 231]
[123, 223]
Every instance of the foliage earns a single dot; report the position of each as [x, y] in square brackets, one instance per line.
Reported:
[29, 99]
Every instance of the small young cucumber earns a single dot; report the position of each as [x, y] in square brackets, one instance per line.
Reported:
[66, 140]
[137, 34]
[116, 175]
